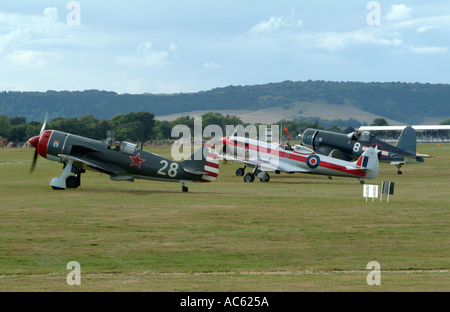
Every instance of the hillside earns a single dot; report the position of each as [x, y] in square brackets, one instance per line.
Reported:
[409, 103]
[277, 113]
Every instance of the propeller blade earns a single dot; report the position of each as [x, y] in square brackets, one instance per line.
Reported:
[287, 132]
[33, 163]
[45, 124]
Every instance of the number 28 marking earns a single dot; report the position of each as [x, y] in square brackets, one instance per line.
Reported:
[172, 171]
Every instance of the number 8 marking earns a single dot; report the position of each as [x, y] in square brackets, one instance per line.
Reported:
[173, 170]
[356, 147]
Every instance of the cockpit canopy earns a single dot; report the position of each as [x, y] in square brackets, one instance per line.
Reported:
[360, 136]
[128, 148]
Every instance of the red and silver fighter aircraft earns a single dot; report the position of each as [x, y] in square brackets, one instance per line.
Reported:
[268, 158]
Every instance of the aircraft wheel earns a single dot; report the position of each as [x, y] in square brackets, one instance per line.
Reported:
[399, 172]
[267, 179]
[184, 189]
[362, 182]
[240, 172]
[71, 182]
[249, 177]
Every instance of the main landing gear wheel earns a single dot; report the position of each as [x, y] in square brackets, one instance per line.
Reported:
[72, 182]
[267, 179]
[240, 172]
[249, 177]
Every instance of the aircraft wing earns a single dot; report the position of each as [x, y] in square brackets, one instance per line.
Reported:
[83, 163]
[267, 166]
[263, 165]
[412, 156]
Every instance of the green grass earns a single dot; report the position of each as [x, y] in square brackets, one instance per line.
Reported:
[295, 233]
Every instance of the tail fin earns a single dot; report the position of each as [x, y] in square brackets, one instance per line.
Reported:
[407, 140]
[369, 162]
[204, 162]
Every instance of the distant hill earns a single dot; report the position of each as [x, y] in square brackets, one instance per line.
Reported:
[409, 103]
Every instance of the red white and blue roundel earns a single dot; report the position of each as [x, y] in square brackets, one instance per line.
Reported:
[313, 161]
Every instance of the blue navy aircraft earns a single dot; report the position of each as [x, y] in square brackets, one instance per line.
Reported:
[125, 162]
[353, 145]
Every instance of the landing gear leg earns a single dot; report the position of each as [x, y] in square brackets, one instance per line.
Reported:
[361, 181]
[184, 188]
[60, 183]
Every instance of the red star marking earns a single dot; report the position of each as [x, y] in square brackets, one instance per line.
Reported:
[136, 161]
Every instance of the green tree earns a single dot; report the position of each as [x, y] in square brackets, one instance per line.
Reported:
[379, 122]
[18, 133]
[334, 129]
[5, 125]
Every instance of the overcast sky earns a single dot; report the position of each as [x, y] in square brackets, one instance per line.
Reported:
[168, 46]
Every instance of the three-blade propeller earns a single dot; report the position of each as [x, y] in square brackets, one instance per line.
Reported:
[35, 142]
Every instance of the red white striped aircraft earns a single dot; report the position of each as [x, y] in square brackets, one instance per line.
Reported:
[268, 158]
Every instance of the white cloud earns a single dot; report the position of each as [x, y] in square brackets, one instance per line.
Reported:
[335, 41]
[399, 13]
[145, 56]
[428, 50]
[275, 24]
[51, 14]
[211, 65]
[424, 29]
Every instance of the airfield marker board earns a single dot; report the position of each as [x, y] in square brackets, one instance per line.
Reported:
[370, 191]
[387, 188]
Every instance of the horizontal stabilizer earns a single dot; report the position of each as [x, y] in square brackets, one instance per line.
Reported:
[194, 171]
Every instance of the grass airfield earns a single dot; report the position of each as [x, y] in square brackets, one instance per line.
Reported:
[296, 233]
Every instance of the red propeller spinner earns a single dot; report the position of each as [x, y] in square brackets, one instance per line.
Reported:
[40, 142]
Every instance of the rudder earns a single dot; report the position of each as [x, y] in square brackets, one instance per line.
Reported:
[407, 140]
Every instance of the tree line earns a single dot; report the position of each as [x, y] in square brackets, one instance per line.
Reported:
[142, 126]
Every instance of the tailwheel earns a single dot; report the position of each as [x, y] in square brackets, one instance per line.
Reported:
[361, 181]
[184, 188]
[249, 177]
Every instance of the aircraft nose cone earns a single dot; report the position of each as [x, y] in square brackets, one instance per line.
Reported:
[34, 141]
[224, 141]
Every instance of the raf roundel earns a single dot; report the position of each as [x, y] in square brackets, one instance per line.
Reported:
[313, 161]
